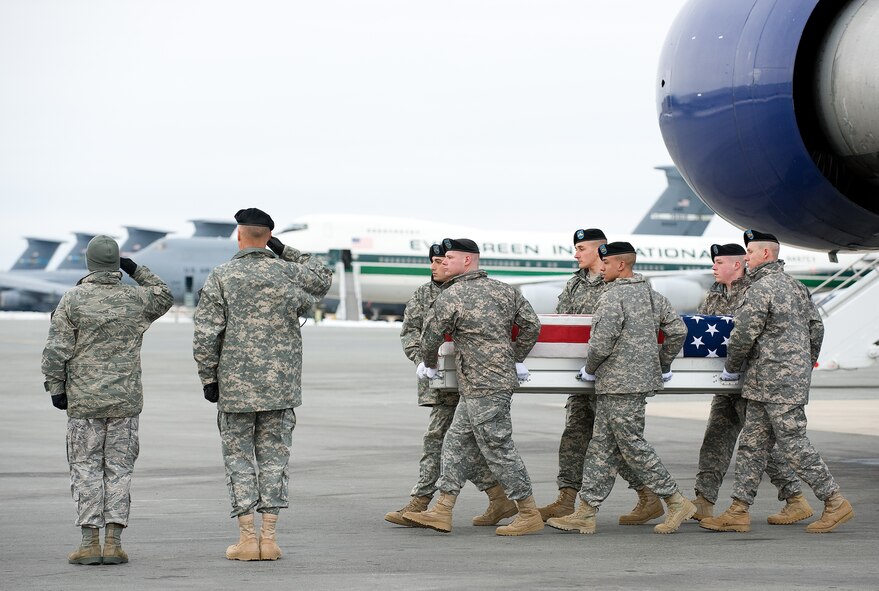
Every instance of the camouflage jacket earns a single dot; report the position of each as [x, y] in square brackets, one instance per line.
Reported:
[479, 314]
[247, 334]
[623, 351]
[93, 349]
[778, 332]
[723, 300]
[581, 293]
[410, 337]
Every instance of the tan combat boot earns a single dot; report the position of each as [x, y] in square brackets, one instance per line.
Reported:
[438, 518]
[416, 505]
[247, 547]
[89, 550]
[680, 509]
[581, 520]
[736, 518]
[526, 522]
[113, 552]
[564, 505]
[837, 510]
[704, 508]
[268, 547]
[649, 507]
[499, 507]
[796, 508]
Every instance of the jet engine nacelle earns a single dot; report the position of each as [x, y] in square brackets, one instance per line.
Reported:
[770, 110]
[14, 300]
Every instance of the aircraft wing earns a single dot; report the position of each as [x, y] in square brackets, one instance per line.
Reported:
[21, 282]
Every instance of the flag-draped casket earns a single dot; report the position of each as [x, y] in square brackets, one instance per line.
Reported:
[563, 343]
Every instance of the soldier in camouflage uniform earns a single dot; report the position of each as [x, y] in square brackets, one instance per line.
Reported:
[728, 410]
[248, 348]
[479, 314]
[580, 296]
[778, 332]
[442, 410]
[92, 368]
[627, 366]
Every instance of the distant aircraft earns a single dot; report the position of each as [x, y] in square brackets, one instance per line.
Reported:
[678, 211]
[36, 255]
[382, 261]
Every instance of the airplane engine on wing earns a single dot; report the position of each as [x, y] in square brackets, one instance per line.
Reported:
[770, 110]
[14, 300]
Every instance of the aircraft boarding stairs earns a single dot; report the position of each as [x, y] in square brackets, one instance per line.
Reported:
[561, 351]
[851, 316]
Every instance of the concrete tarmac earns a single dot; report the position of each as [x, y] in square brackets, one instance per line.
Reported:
[355, 457]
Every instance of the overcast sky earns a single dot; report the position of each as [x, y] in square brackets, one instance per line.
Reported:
[505, 114]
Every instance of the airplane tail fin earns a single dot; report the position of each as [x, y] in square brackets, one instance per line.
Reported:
[213, 229]
[140, 238]
[75, 259]
[36, 255]
[678, 211]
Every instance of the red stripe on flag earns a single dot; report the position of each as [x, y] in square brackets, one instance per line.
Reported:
[559, 333]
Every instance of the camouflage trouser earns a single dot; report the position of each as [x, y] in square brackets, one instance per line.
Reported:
[101, 454]
[481, 436]
[256, 450]
[724, 425]
[579, 423]
[767, 424]
[619, 439]
[441, 416]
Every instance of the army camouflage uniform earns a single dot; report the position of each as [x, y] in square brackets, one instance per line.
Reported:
[778, 332]
[627, 363]
[247, 339]
[479, 314]
[442, 404]
[728, 415]
[93, 354]
[580, 296]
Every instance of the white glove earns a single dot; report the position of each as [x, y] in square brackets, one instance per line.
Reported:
[419, 371]
[726, 376]
[583, 376]
[522, 372]
[666, 377]
[430, 373]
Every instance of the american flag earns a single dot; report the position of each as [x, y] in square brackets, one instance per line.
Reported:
[707, 336]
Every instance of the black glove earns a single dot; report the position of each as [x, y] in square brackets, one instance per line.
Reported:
[276, 245]
[127, 265]
[211, 392]
[59, 401]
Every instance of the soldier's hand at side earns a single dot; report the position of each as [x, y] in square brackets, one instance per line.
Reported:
[584, 376]
[211, 392]
[276, 246]
[667, 376]
[420, 371]
[726, 376]
[59, 401]
[127, 265]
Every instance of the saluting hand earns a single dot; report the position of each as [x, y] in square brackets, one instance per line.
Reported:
[276, 246]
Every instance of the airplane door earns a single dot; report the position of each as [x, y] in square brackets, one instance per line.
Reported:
[188, 295]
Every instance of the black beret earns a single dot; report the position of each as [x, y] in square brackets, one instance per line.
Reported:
[726, 250]
[590, 234]
[254, 217]
[436, 250]
[615, 248]
[460, 245]
[755, 236]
